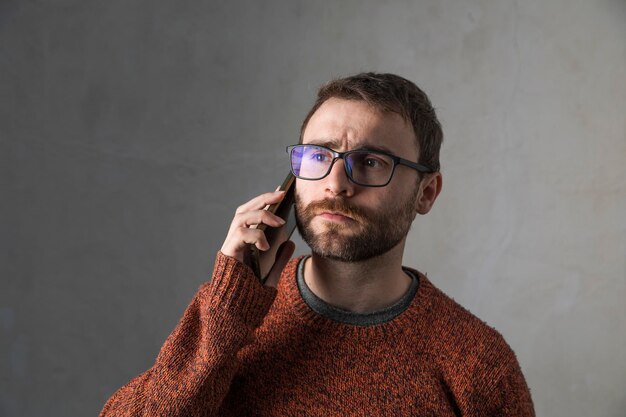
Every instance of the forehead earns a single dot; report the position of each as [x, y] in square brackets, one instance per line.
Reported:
[349, 124]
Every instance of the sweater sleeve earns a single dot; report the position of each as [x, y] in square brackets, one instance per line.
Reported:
[196, 364]
[494, 385]
[510, 396]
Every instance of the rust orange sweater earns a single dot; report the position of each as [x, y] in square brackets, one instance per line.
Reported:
[243, 349]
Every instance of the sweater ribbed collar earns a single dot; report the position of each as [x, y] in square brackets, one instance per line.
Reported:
[348, 317]
[290, 298]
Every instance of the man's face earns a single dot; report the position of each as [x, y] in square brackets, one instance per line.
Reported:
[344, 221]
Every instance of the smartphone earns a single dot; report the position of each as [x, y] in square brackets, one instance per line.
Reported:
[261, 262]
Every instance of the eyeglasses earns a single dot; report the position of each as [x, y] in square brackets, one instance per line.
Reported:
[363, 167]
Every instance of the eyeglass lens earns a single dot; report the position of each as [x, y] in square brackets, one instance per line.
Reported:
[363, 167]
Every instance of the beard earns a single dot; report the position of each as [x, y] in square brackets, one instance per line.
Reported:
[379, 231]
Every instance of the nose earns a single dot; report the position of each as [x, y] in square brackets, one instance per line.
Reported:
[337, 181]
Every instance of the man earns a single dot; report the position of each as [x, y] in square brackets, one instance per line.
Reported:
[347, 331]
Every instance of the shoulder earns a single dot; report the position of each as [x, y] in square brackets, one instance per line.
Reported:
[476, 363]
[457, 337]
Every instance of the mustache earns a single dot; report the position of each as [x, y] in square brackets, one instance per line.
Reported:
[336, 205]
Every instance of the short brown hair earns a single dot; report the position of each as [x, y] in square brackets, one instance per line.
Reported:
[390, 93]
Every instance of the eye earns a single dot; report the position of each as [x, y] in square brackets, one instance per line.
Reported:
[372, 162]
[319, 156]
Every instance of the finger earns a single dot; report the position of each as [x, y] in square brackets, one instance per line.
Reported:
[261, 201]
[254, 237]
[236, 243]
[256, 217]
[282, 258]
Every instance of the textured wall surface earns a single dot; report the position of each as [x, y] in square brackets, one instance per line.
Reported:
[130, 131]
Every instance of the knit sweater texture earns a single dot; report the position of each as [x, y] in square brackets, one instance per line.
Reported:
[244, 349]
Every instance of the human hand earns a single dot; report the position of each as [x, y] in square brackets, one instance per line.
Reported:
[242, 232]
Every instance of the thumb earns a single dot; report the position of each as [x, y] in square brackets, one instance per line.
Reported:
[282, 257]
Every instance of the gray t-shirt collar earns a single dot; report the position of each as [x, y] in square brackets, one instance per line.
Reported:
[359, 319]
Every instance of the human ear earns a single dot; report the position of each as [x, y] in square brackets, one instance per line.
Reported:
[430, 187]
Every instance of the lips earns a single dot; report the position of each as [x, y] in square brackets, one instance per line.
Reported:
[335, 215]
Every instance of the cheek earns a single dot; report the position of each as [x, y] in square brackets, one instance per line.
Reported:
[301, 198]
[395, 195]
[305, 191]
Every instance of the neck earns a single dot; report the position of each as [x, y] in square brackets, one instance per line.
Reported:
[359, 287]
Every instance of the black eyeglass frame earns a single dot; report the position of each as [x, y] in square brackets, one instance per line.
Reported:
[341, 155]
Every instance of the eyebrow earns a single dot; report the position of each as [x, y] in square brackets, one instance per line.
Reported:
[333, 143]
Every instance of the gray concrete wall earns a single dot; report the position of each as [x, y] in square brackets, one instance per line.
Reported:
[130, 130]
